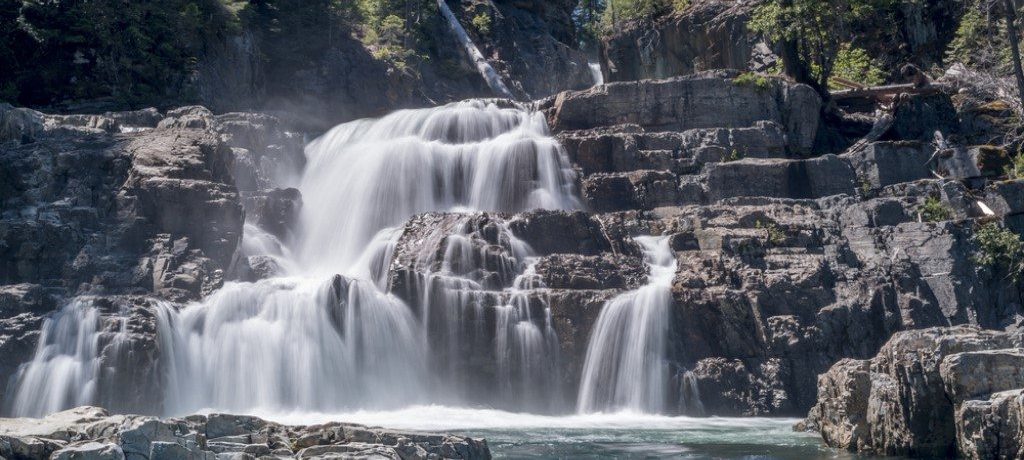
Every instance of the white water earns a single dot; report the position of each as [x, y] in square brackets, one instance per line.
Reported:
[595, 73]
[66, 368]
[311, 341]
[625, 368]
[365, 176]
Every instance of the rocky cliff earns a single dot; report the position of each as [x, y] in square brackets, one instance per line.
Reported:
[788, 260]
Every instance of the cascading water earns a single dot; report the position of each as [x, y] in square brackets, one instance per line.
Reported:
[366, 176]
[595, 73]
[65, 369]
[484, 303]
[625, 367]
[315, 341]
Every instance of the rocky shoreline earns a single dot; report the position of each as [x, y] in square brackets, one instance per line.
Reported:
[91, 433]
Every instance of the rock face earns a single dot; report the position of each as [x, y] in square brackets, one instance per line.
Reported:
[90, 433]
[788, 262]
[714, 34]
[709, 34]
[139, 203]
[929, 393]
[102, 204]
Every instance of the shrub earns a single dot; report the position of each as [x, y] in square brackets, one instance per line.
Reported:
[999, 248]
[773, 233]
[1015, 170]
[753, 79]
[934, 210]
[854, 64]
[482, 23]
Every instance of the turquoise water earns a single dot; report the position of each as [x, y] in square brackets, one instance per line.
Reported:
[621, 435]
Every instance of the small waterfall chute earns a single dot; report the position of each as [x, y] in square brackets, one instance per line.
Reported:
[625, 367]
[485, 69]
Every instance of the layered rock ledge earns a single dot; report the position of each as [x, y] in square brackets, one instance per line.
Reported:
[90, 433]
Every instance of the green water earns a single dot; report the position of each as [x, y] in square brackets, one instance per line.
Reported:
[592, 436]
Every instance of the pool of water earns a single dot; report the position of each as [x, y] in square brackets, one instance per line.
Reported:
[619, 435]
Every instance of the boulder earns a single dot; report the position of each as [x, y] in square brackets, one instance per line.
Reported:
[908, 399]
[89, 451]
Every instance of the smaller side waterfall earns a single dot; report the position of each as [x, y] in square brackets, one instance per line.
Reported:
[488, 73]
[67, 366]
[595, 73]
[625, 367]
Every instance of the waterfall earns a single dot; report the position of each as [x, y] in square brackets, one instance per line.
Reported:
[365, 176]
[625, 367]
[595, 73]
[484, 268]
[66, 369]
[326, 335]
[292, 344]
[492, 78]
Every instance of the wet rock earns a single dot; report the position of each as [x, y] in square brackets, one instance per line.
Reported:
[571, 271]
[276, 210]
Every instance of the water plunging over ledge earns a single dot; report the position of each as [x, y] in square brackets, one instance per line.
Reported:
[313, 340]
[625, 368]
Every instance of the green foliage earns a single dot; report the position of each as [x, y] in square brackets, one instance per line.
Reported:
[756, 80]
[980, 41]
[855, 65]
[773, 233]
[820, 31]
[1015, 170]
[130, 53]
[735, 155]
[482, 23]
[394, 29]
[934, 210]
[1000, 249]
[597, 18]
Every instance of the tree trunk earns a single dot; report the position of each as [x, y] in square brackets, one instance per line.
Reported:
[793, 65]
[1011, 31]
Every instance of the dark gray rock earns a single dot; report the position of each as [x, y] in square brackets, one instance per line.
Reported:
[908, 400]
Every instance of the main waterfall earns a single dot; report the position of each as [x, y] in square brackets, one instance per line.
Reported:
[327, 335]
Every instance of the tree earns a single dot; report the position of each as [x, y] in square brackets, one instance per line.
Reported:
[811, 34]
[1010, 11]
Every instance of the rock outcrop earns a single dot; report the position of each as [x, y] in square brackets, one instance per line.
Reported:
[90, 433]
[930, 393]
[708, 34]
[136, 202]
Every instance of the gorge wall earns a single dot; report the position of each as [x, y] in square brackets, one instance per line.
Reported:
[786, 263]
